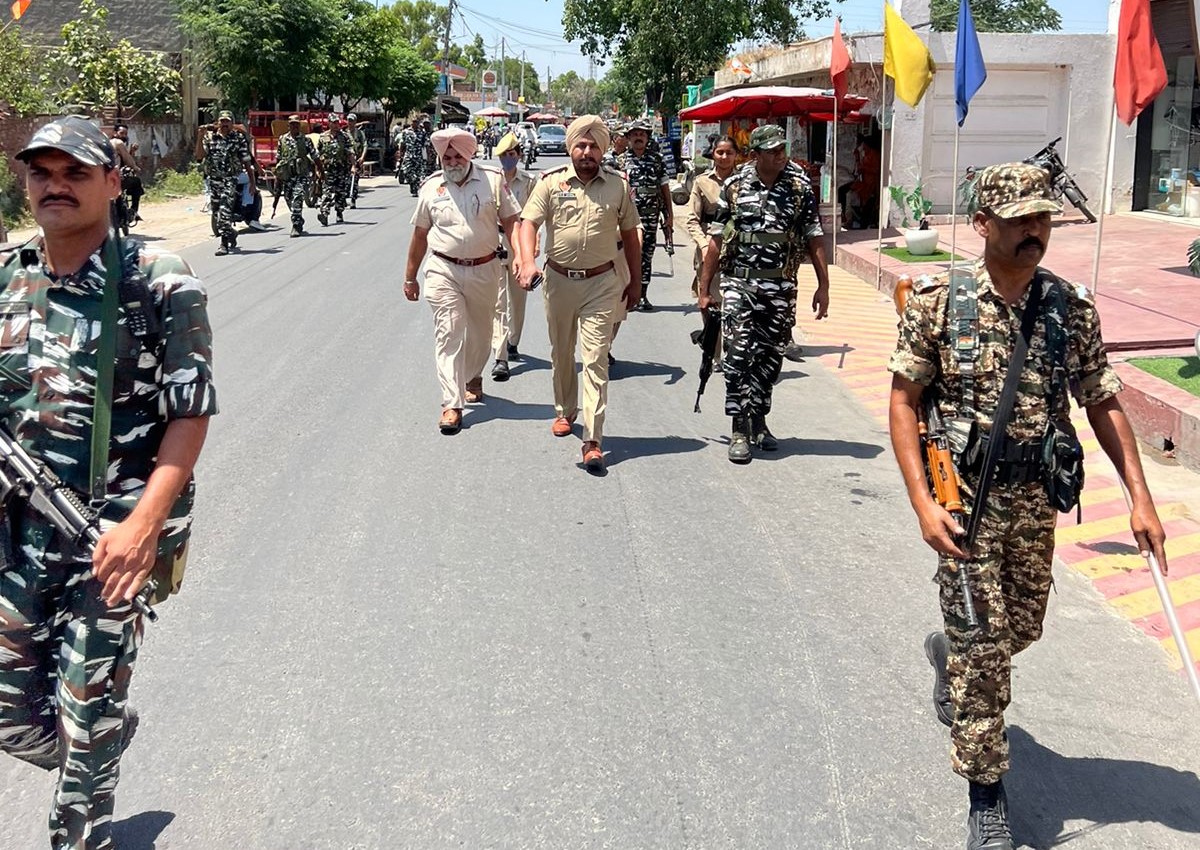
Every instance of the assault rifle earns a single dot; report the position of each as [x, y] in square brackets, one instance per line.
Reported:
[45, 493]
[707, 338]
[939, 463]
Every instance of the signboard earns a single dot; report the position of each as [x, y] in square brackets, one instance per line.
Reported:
[488, 79]
[673, 129]
[443, 86]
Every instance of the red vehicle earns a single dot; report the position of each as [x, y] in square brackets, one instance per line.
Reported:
[265, 128]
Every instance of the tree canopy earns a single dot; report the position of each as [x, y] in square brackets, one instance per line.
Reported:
[89, 68]
[664, 43]
[572, 93]
[998, 15]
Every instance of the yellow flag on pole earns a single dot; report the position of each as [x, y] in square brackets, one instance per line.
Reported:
[906, 59]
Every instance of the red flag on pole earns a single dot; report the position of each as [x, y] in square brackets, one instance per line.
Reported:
[839, 62]
[19, 7]
[1140, 73]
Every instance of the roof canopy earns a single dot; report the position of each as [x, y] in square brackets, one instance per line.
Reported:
[769, 102]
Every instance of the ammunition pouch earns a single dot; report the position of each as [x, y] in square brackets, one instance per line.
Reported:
[1062, 465]
[962, 433]
[1019, 463]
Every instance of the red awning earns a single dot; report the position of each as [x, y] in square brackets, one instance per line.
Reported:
[769, 102]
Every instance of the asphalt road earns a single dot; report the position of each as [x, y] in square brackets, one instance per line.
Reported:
[389, 638]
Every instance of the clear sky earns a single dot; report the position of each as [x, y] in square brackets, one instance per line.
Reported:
[535, 26]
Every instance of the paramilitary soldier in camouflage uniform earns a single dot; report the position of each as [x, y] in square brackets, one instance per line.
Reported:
[296, 161]
[765, 224]
[336, 150]
[225, 152]
[412, 156]
[651, 194]
[954, 348]
[69, 632]
[358, 138]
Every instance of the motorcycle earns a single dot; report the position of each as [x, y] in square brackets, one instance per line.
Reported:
[119, 213]
[530, 155]
[1062, 184]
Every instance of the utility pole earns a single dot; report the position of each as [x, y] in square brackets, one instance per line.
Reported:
[521, 108]
[437, 118]
[503, 75]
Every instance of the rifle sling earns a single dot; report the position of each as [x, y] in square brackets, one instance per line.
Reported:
[1008, 395]
[106, 358]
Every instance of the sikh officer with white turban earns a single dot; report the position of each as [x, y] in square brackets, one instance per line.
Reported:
[460, 212]
[587, 211]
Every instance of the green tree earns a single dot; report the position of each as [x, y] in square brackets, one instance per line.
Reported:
[573, 94]
[512, 77]
[412, 85]
[361, 56]
[423, 25]
[22, 84]
[664, 43]
[997, 15]
[91, 69]
[621, 87]
[259, 49]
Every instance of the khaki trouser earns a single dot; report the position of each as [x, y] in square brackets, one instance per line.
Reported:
[463, 299]
[510, 314]
[583, 310]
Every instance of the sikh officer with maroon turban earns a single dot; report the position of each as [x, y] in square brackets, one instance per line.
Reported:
[460, 211]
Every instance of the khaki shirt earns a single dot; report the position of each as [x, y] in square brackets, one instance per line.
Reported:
[463, 221]
[702, 208]
[583, 221]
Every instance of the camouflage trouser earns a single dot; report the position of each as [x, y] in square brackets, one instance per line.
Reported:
[649, 218]
[294, 192]
[414, 172]
[223, 192]
[64, 681]
[1010, 583]
[754, 324]
[337, 187]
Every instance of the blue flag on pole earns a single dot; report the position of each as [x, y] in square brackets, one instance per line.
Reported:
[969, 71]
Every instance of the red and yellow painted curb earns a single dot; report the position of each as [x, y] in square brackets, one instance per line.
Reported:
[854, 343]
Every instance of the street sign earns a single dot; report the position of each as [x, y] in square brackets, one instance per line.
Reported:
[488, 79]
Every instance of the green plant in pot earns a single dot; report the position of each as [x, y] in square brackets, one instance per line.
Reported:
[919, 237]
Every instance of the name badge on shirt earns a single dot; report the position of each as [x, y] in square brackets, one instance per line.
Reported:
[565, 196]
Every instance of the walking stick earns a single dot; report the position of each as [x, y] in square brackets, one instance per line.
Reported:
[1168, 605]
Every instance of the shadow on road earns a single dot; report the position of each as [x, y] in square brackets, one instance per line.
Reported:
[1047, 790]
[792, 446]
[636, 369]
[527, 363]
[241, 250]
[494, 407]
[142, 830]
[620, 449]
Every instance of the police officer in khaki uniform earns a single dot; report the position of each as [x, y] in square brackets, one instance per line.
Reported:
[586, 209]
[510, 305]
[460, 210]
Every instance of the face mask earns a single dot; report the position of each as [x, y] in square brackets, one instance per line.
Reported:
[456, 173]
[508, 160]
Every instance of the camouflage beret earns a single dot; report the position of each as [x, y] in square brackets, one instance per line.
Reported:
[767, 137]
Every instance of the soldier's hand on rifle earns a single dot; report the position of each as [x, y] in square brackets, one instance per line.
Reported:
[124, 557]
[940, 530]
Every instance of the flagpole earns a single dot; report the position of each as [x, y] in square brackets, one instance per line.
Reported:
[833, 183]
[883, 173]
[954, 205]
[1108, 167]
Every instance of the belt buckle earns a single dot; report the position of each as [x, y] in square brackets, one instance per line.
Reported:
[464, 262]
[741, 271]
[576, 274]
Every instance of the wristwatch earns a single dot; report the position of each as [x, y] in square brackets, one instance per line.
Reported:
[407, 282]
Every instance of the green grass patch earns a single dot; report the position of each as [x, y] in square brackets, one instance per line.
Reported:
[904, 256]
[1183, 372]
[169, 184]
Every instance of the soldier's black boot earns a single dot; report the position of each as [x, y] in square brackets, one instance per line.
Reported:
[761, 435]
[987, 824]
[937, 650]
[340, 220]
[739, 444]
[323, 218]
[295, 230]
[224, 249]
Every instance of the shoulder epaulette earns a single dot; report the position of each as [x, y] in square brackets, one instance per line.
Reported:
[550, 171]
[927, 283]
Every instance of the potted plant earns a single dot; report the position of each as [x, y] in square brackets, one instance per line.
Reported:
[919, 238]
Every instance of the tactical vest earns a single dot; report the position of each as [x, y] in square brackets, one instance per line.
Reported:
[797, 246]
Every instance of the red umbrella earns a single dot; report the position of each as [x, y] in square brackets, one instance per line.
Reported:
[493, 112]
[542, 116]
[768, 102]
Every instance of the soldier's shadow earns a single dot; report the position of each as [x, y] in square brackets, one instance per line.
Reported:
[527, 363]
[142, 830]
[620, 449]
[495, 407]
[1046, 790]
[637, 369]
[792, 446]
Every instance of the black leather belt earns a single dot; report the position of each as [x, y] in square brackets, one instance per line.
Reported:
[745, 273]
[459, 261]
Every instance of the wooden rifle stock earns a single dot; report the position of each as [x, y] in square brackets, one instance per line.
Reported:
[939, 462]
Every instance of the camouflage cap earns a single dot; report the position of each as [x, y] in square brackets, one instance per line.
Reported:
[76, 137]
[767, 137]
[637, 125]
[224, 115]
[351, 117]
[1014, 189]
[293, 119]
